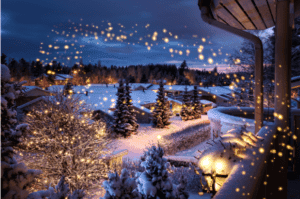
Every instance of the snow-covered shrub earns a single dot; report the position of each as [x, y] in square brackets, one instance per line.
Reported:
[121, 186]
[64, 140]
[180, 191]
[60, 191]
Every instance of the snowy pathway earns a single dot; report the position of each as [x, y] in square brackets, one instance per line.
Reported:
[136, 144]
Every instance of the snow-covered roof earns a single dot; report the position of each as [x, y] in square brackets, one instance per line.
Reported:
[65, 76]
[136, 85]
[217, 90]
[140, 97]
[295, 78]
[28, 88]
[172, 87]
[206, 102]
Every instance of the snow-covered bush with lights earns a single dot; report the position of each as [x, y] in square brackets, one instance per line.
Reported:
[161, 113]
[217, 161]
[122, 115]
[121, 186]
[186, 112]
[63, 140]
[132, 116]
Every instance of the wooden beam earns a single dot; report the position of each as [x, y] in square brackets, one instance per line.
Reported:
[252, 13]
[232, 6]
[272, 4]
[226, 16]
[265, 12]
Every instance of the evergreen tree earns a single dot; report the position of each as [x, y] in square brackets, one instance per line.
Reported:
[121, 114]
[154, 182]
[197, 109]
[3, 59]
[161, 113]
[185, 110]
[132, 117]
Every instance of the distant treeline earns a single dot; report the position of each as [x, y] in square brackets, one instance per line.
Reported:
[97, 73]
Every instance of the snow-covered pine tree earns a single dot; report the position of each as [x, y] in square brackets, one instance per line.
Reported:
[15, 177]
[154, 182]
[161, 113]
[186, 113]
[132, 117]
[197, 109]
[121, 124]
[64, 140]
[121, 187]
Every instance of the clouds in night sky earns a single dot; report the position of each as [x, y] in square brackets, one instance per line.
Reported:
[25, 24]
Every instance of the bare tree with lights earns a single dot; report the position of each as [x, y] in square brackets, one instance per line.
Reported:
[161, 113]
[63, 142]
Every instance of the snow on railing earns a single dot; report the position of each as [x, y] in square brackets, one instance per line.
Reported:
[246, 177]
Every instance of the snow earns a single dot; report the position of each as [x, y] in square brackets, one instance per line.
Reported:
[295, 78]
[65, 76]
[29, 88]
[5, 73]
[136, 144]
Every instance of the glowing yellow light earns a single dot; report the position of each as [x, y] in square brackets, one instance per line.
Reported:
[261, 150]
[201, 57]
[280, 154]
[164, 30]
[203, 39]
[166, 40]
[66, 47]
[171, 50]
[205, 162]
[159, 137]
[210, 60]
[176, 37]
[237, 189]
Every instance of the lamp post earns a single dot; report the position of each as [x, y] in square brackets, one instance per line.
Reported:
[158, 138]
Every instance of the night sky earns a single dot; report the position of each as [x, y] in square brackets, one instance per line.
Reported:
[66, 30]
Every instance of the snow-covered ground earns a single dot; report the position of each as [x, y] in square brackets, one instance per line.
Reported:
[136, 144]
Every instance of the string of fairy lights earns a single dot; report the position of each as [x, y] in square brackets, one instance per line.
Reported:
[69, 38]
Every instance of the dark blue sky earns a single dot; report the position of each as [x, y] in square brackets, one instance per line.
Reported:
[27, 24]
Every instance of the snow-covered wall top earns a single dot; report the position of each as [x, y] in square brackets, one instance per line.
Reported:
[228, 115]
